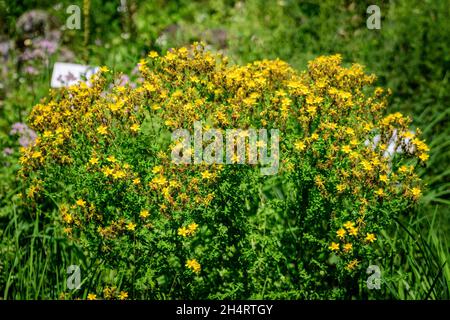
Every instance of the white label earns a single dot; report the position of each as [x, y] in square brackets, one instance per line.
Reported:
[68, 74]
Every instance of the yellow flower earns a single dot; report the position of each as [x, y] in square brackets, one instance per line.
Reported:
[135, 127]
[370, 237]
[93, 161]
[379, 192]
[183, 231]
[348, 247]
[193, 265]
[92, 296]
[123, 295]
[299, 146]
[111, 159]
[108, 171]
[206, 175]
[346, 149]
[349, 225]
[352, 264]
[131, 226]
[36, 154]
[353, 231]
[68, 218]
[81, 203]
[416, 193]
[144, 214]
[384, 178]
[160, 180]
[157, 169]
[102, 130]
[136, 181]
[334, 246]
[104, 69]
[192, 227]
[341, 233]
[403, 169]
[153, 54]
[424, 157]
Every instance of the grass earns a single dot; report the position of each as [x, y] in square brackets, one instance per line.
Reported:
[409, 54]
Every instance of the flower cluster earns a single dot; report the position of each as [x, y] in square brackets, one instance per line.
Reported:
[104, 153]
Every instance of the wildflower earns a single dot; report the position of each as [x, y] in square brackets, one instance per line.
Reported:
[424, 157]
[68, 218]
[144, 214]
[36, 154]
[131, 226]
[123, 295]
[183, 231]
[384, 178]
[206, 175]
[81, 203]
[111, 159]
[334, 246]
[346, 149]
[104, 69]
[157, 169]
[416, 193]
[93, 161]
[370, 237]
[153, 54]
[135, 127]
[103, 130]
[352, 264]
[136, 181]
[379, 192]
[341, 233]
[92, 296]
[349, 225]
[192, 227]
[348, 247]
[160, 180]
[299, 146]
[193, 265]
[353, 231]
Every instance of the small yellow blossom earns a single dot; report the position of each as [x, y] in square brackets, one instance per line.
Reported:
[103, 130]
[135, 127]
[370, 237]
[334, 246]
[131, 226]
[193, 265]
[348, 247]
[92, 296]
[349, 224]
[341, 233]
[81, 203]
[144, 214]
[123, 295]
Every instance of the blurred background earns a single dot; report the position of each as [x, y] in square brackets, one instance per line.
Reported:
[409, 54]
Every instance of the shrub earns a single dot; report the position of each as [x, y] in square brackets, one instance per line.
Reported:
[103, 158]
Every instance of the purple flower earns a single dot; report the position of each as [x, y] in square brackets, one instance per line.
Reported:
[123, 80]
[47, 46]
[8, 151]
[27, 136]
[31, 71]
[18, 128]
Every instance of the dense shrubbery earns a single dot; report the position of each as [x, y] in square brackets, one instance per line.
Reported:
[103, 159]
